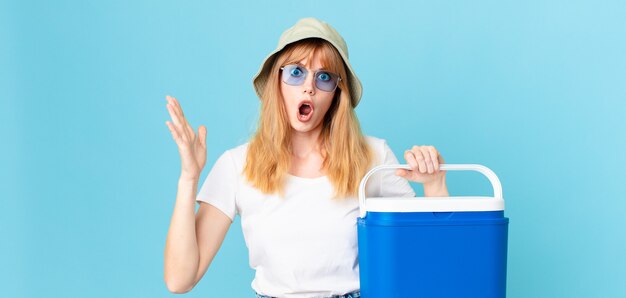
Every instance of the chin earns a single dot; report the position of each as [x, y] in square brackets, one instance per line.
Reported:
[304, 127]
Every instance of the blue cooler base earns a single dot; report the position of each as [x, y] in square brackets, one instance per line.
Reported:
[433, 254]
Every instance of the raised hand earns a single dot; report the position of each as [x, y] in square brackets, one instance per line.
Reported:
[192, 147]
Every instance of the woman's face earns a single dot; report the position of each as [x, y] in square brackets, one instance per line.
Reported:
[306, 104]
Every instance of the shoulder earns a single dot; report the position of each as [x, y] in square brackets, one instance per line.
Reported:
[236, 156]
[379, 147]
[238, 152]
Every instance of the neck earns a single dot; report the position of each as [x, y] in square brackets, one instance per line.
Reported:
[303, 144]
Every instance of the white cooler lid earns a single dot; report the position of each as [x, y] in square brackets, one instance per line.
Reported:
[434, 204]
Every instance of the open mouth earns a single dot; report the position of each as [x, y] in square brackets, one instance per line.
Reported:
[305, 111]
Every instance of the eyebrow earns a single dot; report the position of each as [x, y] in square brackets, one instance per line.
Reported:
[323, 68]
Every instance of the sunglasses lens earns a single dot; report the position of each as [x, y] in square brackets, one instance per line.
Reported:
[325, 81]
[295, 75]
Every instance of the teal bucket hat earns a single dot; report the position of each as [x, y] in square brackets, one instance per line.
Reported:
[308, 28]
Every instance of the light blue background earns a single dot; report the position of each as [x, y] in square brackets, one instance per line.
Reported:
[535, 90]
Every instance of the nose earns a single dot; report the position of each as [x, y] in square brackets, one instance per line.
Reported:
[309, 84]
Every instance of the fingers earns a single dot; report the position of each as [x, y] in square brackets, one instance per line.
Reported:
[180, 123]
[176, 105]
[184, 122]
[173, 114]
[189, 130]
[434, 157]
[423, 159]
[427, 159]
[175, 127]
[202, 134]
[414, 160]
[175, 134]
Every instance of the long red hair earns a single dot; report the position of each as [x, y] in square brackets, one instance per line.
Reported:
[347, 155]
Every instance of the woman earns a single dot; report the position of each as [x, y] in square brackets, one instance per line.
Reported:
[294, 184]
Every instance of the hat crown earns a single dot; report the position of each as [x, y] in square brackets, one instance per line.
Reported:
[311, 27]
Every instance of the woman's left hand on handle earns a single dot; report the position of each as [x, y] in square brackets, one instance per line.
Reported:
[424, 162]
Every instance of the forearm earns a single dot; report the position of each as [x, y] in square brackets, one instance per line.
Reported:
[181, 248]
[436, 188]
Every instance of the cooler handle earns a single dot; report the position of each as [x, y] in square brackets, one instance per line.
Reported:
[495, 182]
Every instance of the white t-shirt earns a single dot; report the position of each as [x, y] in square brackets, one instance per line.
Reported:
[305, 244]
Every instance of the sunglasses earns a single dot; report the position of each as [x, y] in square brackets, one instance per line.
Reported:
[295, 75]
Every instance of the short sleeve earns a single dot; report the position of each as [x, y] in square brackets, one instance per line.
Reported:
[391, 184]
[219, 188]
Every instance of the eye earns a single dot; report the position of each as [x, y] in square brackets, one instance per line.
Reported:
[324, 76]
[296, 72]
